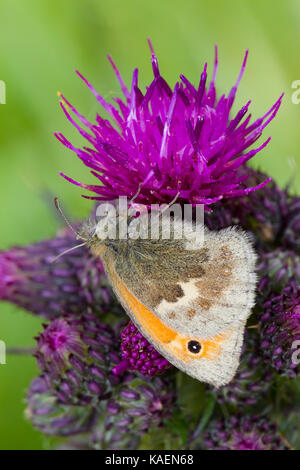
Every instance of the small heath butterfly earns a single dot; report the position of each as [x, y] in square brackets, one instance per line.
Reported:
[190, 300]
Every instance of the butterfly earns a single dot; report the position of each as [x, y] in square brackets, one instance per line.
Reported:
[190, 300]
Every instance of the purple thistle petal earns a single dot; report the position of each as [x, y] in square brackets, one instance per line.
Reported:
[169, 140]
[118, 75]
[138, 354]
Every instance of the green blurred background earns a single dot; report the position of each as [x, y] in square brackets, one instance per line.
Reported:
[43, 41]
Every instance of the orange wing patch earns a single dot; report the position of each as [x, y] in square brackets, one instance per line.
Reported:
[210, 348]
[148, 321]
[164, 336]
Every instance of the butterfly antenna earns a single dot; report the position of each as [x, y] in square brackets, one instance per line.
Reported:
[66, 220]
[171, 203]
[68, 251]
[136, 194]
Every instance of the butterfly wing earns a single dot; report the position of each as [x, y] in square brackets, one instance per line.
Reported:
[190, 302]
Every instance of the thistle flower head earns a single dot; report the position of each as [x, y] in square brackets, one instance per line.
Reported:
[115, 423]
[52, 417]
[139, 404]
[75, 355]
[262, 213]
[243, 433]
[277, 269]
[76, 281]
[57, 341]
[167, 142]
[280, 331]
[11, 276]
[220, 216]
[138, 354]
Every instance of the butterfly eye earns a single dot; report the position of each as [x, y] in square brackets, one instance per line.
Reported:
[194, 347]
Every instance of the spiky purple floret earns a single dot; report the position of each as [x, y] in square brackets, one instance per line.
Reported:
[138, 354]
[243, 433]
[58, 340]
[280, 331]
[168, 141]
[76, 354]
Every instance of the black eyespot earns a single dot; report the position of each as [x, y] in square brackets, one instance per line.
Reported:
[194, 347]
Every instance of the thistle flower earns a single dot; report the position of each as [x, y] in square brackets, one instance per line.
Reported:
[116, 423]
[52, 417]
[29, 279]
[138, 354]
[243, 433]
[220, 216]
[75, 355]
[133, 409]
[168, 142]
[262, 213]
[280, 331]
[252, 380]
[277, 269]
